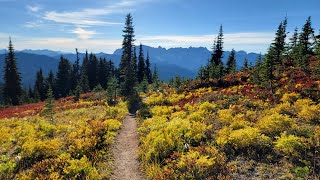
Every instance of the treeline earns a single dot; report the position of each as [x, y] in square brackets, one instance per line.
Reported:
[280, 55]
[94, 74]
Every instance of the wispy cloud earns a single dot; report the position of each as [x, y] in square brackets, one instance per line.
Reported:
[82, 33]
[92, 16]
[33, 8]
[60, 43]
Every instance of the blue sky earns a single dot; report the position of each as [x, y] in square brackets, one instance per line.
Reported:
[97, 25]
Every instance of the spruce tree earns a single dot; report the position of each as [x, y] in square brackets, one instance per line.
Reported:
[305, 38]
[50, 82]
[257, 72]
[148, 70]
[75, 76]
[245, 65]
[12, 81]
[93, 71]
[63, 78]
[134, 64]
[84, 82]
[231, 63]
[40, 85]
[318, 45]
[141, 65]
[103, 73]
[216, 64]
[275, 55]
[125, 69]
[155, 78]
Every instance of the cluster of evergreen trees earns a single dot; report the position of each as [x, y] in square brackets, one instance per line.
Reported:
[280, 55]
[134, 72]
[92, 75]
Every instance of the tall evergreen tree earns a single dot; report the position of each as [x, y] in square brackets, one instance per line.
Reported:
[275, 56]
[257, 74]
[141, 65]
[134, 64]
[103, 73]
[93, 71]
[125, 72]
[148, 72]
[40, 85]
[306, 37]
[216, 64]
[63, 78]
[50, 82]
[75, 76]
[12, 81]
[155, 78]
[84, 82]
[245, 65]
[231, 63]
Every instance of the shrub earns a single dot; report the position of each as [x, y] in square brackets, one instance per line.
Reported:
[274, 124]
[288, 145]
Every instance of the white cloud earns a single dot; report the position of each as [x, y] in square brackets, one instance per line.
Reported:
[82, 33]
[92, 16]
[61, 44]
[33, 8]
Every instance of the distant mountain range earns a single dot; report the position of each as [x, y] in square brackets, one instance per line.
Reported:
[184, 62]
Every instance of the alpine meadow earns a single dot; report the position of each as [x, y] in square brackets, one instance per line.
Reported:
[161, 106]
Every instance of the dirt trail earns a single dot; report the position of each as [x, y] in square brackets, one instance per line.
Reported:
[126, 163]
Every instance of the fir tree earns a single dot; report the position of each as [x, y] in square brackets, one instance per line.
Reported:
[141, 65]
[63, 78]
[231, 63]
[49, 107]
[103, 73]
[257, 73]
[92, 71]
[75, 76]
[40, 85]
[216, 64]
[84, 82]
[134, 66]
[148, 72]
[12, 81]
[112, 91]
[155, 78]
[125, 69]
[245, 65]
[274, 57]
[305, 38]
[50, 82]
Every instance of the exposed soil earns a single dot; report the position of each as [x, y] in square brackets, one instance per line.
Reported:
[126, 163]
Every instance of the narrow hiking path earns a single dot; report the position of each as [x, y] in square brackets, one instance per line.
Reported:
[125, 152]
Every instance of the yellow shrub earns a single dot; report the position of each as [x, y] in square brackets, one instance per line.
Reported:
[288, 145]
[207, 107]
[290, 97]
[275, 123]
[310, 113]
[196, 117]
[225, 116]
[248, 136]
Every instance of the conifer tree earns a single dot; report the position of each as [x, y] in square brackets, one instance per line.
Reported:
[103, 73]
[274, 57]
[245, 65]
[12, 81]
[148, 70]
[125, 72]
[92, 71]
[84, 82]
[141, 65]
[318, 45]
[155, 78]
[305, 38]
[63, 78]
[134, 64]
[216, 64]
[257, 72]
[231, 63]
[40, 85]
[75, 76]
[50, 82]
